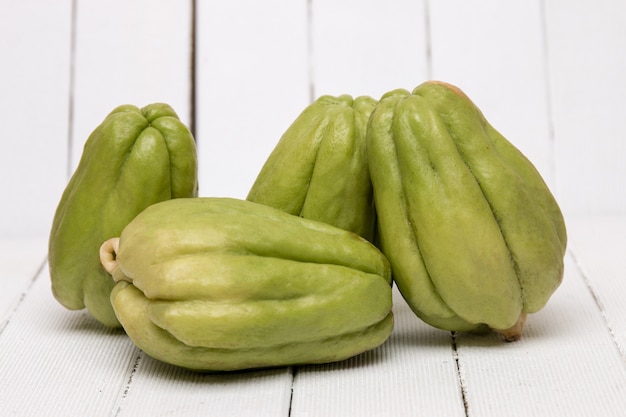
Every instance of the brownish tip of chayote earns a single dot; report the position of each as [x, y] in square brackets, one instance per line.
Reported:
[514, 332]
[108, 258]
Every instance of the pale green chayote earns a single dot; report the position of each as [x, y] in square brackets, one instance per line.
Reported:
[221, 284]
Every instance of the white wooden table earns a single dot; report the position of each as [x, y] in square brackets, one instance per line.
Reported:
[548, 74]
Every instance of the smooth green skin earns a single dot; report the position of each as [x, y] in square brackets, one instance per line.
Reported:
[472, 232]
[511, 184]
[220, 284]
[318, 169]
[134, 158]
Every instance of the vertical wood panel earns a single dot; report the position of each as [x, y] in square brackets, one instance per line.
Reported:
[494, 51]
[586, 42]
[368, 47]
[34, 90]
[136, 52]
[252, 82]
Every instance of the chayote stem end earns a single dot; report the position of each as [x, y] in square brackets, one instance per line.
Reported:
[513, 333]
[108, 258]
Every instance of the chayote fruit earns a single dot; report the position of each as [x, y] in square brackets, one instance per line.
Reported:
[134, 158]
[474, 236]
[220, 284]
[318, 169]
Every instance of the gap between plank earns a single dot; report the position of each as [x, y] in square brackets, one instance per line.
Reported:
[428, 41]
[70, 104]
[192, 70]
[598, 301]
[457, 363]
[309, 47]
[548, 94]
[133, 366]
[293, 381]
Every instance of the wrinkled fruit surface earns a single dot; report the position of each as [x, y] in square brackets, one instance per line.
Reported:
[474, 236]
[219, 284]
[318, 169]
[134, 158]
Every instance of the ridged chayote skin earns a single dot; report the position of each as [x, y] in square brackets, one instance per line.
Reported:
[318, 169]
[474, 236]
[134, 158]
[220, 284]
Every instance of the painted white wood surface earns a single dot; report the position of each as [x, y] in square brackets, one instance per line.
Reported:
[360, 48]
[547, 73]
[248, 92]
[599, 245]
[35, 43]
[494, 51]
[586, 63]
[128, 52]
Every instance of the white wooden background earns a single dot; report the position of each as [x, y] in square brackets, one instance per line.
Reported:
[549, 74]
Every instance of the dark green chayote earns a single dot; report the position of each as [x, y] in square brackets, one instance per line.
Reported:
[318, 169]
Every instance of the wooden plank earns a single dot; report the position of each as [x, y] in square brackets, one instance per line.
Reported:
[20, 262]
[586, 43]
[60, 363]
[34, 95]
[367, 48]
[189, 394]
[129, 53]
[252, 82]
[599, 244]
[413, 373]
[494, 51]
[566, 362]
